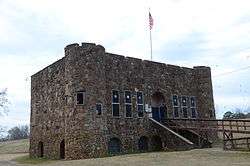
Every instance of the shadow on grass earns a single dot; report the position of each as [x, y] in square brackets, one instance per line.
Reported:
[27, 160]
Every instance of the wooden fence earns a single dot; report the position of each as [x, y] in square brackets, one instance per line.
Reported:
[235, 131]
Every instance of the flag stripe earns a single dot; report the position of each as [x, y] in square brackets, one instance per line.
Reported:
[151, 21]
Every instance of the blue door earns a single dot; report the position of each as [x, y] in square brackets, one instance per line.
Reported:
[162, 113]
[156, 113]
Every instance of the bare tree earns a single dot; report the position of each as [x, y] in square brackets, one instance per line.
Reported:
[3, 102]
[18, 132]
[3, 108]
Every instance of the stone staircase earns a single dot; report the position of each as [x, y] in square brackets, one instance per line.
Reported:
[191, 137]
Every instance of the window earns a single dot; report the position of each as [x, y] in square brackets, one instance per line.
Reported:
[176, 112]
[114, 146]
[115, 103]
[99, 109]
[193, 107]
[184, 106]
[175, 100]
[80, 97]
[128, 103]
[140, 110]
[185, 112]
[175, 106]
[183, 101]
[139, 98]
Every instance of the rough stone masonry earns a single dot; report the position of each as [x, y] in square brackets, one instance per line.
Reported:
[92, 103]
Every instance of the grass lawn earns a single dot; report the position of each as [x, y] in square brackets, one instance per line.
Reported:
[196, 157]
[12, 147]
[12, 151]
[27, 160]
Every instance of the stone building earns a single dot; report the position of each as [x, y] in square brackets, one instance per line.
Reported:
[92, 103]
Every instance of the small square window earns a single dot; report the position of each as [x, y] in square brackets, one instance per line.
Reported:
[99, 109]
[80, 96]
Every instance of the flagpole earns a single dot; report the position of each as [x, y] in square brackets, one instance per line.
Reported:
[150, 35]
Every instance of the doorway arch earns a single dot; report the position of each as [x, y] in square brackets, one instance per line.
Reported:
[156, 143]
[114, 146]
[62, 149]
[143, 143]
[158, 106]
[40, 149]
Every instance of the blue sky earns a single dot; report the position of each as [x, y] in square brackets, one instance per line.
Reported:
[186, 33]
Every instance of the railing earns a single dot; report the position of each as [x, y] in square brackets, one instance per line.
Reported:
[171, 131]
[229, 125]
[234, 130]
[237, 143]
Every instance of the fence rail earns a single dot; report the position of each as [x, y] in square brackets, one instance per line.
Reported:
[228, 127]
[235, 126]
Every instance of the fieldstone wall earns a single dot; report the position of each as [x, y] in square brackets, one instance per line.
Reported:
[47, 110]
[91, 69]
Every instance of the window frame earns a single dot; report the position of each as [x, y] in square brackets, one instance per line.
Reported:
[176, 106]
[113, 103]
[128, 104]
[184, 106]
[97, 110]
[83, 97]
[140, 104]
[193, 107]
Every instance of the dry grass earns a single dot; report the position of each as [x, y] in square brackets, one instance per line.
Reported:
[25, 159]
[12, 147]
[198, 157]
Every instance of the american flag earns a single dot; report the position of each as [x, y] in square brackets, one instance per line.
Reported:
[151, 21]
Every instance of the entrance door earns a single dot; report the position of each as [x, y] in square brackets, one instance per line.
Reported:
[40, 148]
[162, 112]
[62, 149]
[156, 113]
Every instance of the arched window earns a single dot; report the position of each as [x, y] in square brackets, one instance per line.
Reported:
[114, 146]
[62, 149]
[143, 143]
[156, 143]
[40, 149]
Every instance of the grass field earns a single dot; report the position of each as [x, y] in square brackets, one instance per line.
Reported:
[13, 147]
[197, 157]
[12, 151]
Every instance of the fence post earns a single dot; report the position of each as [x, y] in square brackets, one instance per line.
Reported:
[223, 131]
[237, 125]
[248, 144]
